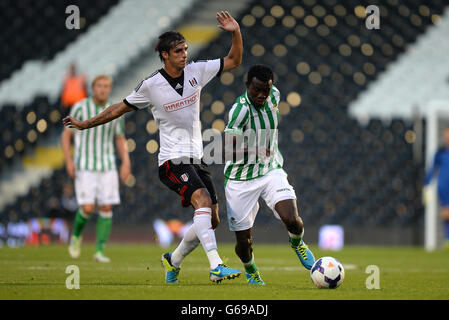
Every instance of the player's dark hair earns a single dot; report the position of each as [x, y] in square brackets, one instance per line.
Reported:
[167, 41]
[261, 72]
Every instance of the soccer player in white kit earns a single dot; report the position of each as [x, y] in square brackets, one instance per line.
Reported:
[257, 172]
[93, 167]
[173, 94]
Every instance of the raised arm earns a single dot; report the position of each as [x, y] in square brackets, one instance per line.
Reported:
[234, 57]
[110, 113]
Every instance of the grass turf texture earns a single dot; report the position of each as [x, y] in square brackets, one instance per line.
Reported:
[136, 273]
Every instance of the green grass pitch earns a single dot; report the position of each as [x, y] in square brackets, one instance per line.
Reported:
[136, 273]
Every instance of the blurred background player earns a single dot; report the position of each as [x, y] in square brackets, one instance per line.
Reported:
[74, 89]
[259, 173]
[441, 164]
[94, 166]
[168, 231]
[173, 94]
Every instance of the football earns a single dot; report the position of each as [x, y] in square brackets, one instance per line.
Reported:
[327, 273]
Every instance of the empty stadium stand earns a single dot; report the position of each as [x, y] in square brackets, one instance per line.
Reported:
[324, 58]
[36, 30]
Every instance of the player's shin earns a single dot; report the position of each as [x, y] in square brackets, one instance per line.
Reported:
[295, 239]
[250, 266]
[80, 221]
[104, 225]
[202, 224]
[187, 245]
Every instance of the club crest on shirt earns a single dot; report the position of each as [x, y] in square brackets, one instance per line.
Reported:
[185, 177]
[193, 82]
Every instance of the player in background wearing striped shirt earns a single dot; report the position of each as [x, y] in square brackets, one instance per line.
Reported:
[256, 171]
[93, 166]
[173, 95]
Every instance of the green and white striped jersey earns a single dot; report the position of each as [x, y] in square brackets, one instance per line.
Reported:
[262, 123]
[95, 147]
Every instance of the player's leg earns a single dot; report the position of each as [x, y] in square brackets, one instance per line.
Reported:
[280, 197]
[104, 226]
[202, 223]
[443, 195]
[288, 212]
[81, 218]
[244, 250]
[241, 207]
[86, 200]
[185, 180]
[171, 261]
[108, 195]
[190, 241]
[221, 271]
[445, 216]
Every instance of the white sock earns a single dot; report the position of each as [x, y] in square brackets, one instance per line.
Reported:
[202, 223]
[105, 214]
[187, 245]
[296, 236]
[214, 259]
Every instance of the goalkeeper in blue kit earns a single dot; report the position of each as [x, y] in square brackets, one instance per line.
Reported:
[441, 164]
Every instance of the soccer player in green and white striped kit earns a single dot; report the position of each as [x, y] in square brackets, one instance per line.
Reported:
[254, 169]
[94, 166]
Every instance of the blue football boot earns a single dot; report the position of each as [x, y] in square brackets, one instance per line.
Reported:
[305, 255]
[254, 278]
[223, 272]
[171, 272]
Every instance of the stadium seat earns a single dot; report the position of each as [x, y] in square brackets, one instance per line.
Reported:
[343, 171]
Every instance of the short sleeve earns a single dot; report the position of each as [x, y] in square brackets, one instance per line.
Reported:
[276, 95]
[238, 119]
[209, 69]
[140, 98]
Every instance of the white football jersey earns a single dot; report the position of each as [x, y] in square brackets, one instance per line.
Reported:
[175, 104]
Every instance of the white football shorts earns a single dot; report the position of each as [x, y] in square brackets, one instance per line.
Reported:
[242, 197]
[96, 187]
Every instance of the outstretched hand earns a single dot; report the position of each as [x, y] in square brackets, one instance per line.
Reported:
[72, 123]
[227, 22]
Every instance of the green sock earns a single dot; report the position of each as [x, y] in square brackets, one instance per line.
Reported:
[250, 266]
[80, 221]
[104, 226]
[295, 240]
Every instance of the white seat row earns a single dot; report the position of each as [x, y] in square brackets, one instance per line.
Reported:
[418, 76]
[107, 47]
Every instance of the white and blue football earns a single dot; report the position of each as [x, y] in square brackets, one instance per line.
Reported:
[327, 273]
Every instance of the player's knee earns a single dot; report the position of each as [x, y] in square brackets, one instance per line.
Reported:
[105, 208]
[88, 208]
[201, 199]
